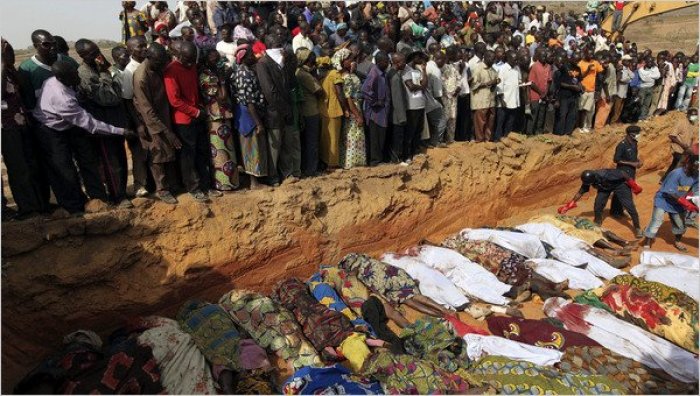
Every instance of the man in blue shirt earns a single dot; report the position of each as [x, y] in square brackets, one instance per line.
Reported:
[672, 199]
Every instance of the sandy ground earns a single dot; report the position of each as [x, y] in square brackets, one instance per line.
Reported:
[95, 272]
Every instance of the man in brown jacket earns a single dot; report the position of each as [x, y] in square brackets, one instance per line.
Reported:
[152, 104]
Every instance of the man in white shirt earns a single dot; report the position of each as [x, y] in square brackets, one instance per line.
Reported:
[648, 76]
[507, 96]
[434, 109]
[302, 39]
[463, 128]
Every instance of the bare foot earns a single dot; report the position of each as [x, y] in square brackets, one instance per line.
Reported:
[680, 247]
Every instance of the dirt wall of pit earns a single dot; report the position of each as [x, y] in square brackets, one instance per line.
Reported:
[96, 271]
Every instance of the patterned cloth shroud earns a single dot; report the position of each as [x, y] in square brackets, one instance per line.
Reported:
[661, 293]
[640, 308]
[508, 266]
[392, 283]
[332, 380]
[352, 291]
[321, 326]
[271, 325]
[637, 378]
[433, 339]
[325, 294]
[514, 377]
[536, 332]
[184, 369]
[213, 330]
[406, 374]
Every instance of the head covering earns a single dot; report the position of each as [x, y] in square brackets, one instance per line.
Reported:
[341, 26]
[241, 51]
[339, 57]
[303, 54]
[633, 129]
[626, 57]
[619, 45]
[323, 61]
[160, 25]
[84, 336]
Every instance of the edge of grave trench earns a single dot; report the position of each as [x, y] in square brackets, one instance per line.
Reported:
[95, 272]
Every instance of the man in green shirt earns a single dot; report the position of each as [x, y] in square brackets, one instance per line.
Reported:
[685, 91]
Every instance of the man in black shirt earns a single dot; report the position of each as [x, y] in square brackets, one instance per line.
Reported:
[567, 84]
[608, 181]
[627, 160]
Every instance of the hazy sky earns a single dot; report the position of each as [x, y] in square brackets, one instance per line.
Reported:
[72, 19]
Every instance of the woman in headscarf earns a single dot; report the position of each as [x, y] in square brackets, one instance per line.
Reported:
[332, 108]
[247, 116]
[352, 147]
[214, 93]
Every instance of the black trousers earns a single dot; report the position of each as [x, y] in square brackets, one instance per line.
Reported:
[415, 122]
[535, 124]
[194, 156]
[61, 147]
[310, 142]
[464, 130]
[22, 170]
[376, 137]
[505, 121]
[114, 168]
[399, 146]
[41, 156]
[624, 195]
[519, 125]
[566, 118]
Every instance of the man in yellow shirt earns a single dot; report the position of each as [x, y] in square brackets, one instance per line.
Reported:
[589, 69]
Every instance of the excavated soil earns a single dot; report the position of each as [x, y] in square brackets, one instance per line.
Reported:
[96, 271]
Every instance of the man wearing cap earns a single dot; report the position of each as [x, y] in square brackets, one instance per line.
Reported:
[672, 198]
[608, 181]
[627, 160]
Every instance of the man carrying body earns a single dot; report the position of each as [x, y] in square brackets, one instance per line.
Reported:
[151, 102]
[63, 126]
[608, 181]
[672, 199]
[101, 97]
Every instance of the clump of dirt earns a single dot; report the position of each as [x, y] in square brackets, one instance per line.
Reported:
[96, 271]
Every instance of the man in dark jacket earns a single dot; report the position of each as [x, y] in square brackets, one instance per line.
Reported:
[276, 85]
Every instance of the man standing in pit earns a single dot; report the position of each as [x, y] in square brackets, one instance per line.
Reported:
[627, 160]
[608, 181]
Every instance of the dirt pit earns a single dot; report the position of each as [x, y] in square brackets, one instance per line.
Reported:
[95, 272]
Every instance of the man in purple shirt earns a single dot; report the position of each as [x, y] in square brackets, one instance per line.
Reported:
[63, 125]
[377, 101]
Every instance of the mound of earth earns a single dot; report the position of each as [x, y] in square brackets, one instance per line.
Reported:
[96, 271]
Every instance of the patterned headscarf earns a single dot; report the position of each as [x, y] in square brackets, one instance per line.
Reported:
[241, 51]
[339, 57]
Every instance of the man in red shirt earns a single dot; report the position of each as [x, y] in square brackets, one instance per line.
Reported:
[540, 77]
[182, 88]
[617, 14]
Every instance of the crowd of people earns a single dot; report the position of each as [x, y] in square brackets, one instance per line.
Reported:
[215, 96]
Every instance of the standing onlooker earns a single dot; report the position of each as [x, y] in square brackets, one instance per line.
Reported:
[539, 78]
[452, 88]
[685, 92]
[415, 81]
[283, 136]
[227, 47]
[302, 39]
[311, 91]
[332, 108]
[134, 22]
[624, 76]
[101, 96]
[377, 102]
[568, 87]
[352, 142]
[464, 127]
[604, 104]
[213, 86]
[669, 82]
[189, 117]
[400, 145]
[151, 101]
[249, 112]
[508, 94]
[434, 109]
[617, 15]
[483, 100]
[64, 127]
[589, 70]
[18, 151]
[648, 75]
[658, 83]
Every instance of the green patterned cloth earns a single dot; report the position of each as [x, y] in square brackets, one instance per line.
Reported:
[213, 331]
[405, 374]
[391, 282]
[589, 298]
[271, 326]
[514, 377]
[596, 360]
[433, 339]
